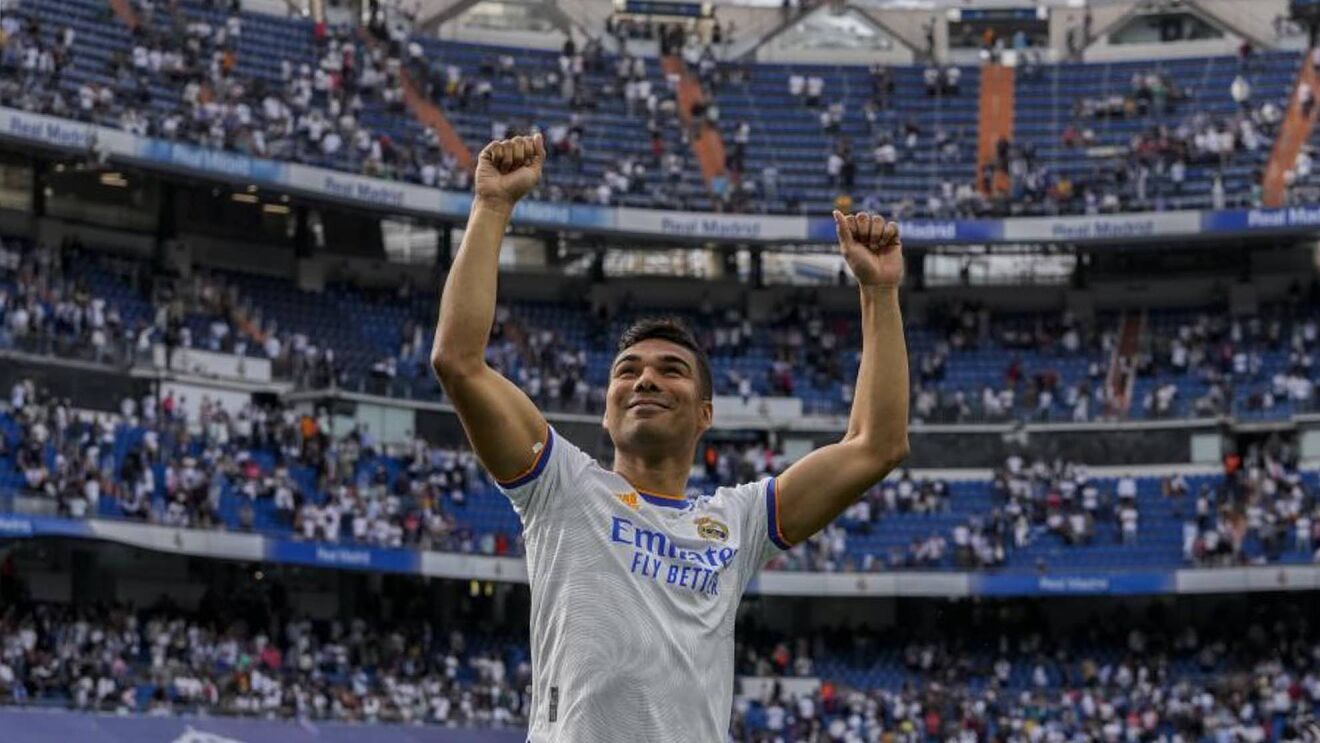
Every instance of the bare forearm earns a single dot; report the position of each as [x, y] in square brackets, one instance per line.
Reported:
[820, 486]
[880, 401]
[467, 305]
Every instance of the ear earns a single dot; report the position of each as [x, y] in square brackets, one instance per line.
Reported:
[706, 416]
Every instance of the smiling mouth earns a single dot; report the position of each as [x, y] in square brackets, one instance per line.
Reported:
[647, 404]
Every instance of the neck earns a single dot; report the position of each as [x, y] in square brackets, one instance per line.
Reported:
[664, 474]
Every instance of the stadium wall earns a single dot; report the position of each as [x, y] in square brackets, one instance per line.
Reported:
[51, 231]
[249, 257]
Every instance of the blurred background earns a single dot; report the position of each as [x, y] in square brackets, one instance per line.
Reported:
[236, 506]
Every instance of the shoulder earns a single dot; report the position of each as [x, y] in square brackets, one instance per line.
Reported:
[566, 463]
[742, 495]
[741, 489]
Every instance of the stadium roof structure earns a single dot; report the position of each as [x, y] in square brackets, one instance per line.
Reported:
[984, 4]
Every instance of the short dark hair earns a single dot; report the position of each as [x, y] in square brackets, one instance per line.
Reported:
[674, 330]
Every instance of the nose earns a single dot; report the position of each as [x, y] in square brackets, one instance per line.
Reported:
[646, 381]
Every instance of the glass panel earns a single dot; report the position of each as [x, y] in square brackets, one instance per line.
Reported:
[989, 270]
[15, 187]
[826, 30]
[1162, 28]
[493, 15]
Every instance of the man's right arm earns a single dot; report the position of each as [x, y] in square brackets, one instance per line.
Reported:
[506, 430]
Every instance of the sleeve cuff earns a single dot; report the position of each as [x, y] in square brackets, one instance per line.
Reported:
[534, 471]
[772, 516]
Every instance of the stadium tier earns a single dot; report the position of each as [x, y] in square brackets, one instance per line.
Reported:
[1120, 128]
[968, 363]
[1089, 138]
[268, 470]
[1122, 675]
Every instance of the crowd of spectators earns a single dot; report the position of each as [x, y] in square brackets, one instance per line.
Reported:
[232, 323]
[1228, 356]
[1039, 393]
[891, 141]
[549, 370]
[49, 305]
[584, 79]
[185, 466]
[1253, 363]
[1029, 501]
[1061, 499]
[1117, 676]
[1201, 364]
[184, 458]
[1261, 509]
[34, 61]
[316, 113]
[1151, 93]
[1151, 171]
[45, 309]
[220, 661]
[1242, 673]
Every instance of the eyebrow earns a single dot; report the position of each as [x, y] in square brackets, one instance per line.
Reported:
[668, 358]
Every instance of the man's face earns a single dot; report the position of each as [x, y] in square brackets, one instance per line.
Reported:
[655, 397]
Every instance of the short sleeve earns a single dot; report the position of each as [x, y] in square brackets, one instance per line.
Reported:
[757, 506]
[556, 464]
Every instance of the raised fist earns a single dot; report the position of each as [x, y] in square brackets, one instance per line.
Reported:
[507, 169]
[871, 247]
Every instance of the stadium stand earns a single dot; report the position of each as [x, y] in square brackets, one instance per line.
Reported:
[269, 470]
[244, 82]
[273, 638]
[967, 362]
[1091, 138]
[1118, 675]
[1140, 135]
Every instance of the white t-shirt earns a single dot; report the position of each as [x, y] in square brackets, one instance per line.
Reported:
[634, 596]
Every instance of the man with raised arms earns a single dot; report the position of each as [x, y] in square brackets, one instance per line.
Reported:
[635, 586]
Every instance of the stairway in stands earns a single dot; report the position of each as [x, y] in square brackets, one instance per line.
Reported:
[1293, 134]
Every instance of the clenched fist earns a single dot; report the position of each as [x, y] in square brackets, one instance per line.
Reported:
[508, 169]
[871, 247]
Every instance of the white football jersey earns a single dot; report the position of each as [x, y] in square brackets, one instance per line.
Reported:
[634, 596]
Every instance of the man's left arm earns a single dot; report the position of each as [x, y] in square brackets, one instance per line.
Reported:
[821, 485]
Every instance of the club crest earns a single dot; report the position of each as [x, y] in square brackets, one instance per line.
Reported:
[709, 528]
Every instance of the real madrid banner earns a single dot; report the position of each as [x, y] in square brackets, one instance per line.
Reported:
[679, 226]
